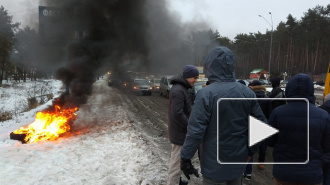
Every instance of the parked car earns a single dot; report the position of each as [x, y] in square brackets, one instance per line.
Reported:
[155, 84]
[141, 86]
[202, 79]
[198, 85]
[245, 81]
[320, 83]
[283, 83]
[165, 86]
[114, 82]
[264, 82]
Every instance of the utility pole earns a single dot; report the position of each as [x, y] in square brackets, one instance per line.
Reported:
[271, 41]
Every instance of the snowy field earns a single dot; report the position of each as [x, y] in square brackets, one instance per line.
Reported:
[113, 153]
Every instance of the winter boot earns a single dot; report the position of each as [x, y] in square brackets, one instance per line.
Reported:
[260, 166]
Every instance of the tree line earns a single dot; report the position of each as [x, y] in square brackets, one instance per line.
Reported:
[299, 46]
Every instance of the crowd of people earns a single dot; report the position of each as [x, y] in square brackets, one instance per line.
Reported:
[215, 124]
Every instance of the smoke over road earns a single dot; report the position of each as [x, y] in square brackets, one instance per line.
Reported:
[116, 35]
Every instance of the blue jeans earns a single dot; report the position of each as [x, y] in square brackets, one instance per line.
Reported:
[237, 181]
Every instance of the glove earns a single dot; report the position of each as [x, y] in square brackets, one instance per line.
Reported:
[187, 168]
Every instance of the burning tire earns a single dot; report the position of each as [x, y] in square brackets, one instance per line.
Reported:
[19, 137]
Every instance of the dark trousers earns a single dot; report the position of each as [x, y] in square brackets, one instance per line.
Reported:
[261, 158]
[262, 152]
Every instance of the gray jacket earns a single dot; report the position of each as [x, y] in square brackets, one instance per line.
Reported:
[233, 119]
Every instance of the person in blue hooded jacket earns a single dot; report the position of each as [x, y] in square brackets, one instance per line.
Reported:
[219, 68]
[291, 142]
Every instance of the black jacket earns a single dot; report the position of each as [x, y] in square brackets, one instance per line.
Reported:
[326, 106]
[180, 102]
[277, 92]
[265, 105]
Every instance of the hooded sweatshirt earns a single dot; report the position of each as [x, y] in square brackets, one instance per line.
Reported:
[233, 119]
[291, 143]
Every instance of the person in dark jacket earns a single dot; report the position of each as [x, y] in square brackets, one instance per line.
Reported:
[219, 68]
[326, 106]
[266, 108]
[292, 144]
[276, 92]
[180, 102]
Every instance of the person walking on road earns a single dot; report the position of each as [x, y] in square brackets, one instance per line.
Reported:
[303, 137]
[219, 68]
[180, 102]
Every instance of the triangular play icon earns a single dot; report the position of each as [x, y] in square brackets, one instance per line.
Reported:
[259, 131]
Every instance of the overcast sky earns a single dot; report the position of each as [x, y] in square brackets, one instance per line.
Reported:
[229, 17]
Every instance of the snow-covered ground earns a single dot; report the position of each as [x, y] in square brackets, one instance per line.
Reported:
[14, 95]
[319, 87]
[112, 153]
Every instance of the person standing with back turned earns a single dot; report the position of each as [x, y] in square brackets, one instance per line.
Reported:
[219, 68]
[326, 167]
[180, 102]
[304, 136]
[276, 92]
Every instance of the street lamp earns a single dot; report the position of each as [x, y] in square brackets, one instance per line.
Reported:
[271, 41]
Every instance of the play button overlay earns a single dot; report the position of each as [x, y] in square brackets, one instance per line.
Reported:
[240, 132]
[258, 131]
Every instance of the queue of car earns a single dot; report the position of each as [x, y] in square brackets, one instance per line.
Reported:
[155, 84]
[162, 86]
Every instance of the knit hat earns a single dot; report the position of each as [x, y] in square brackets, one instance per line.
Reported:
[242, 82]
[255, 83]
[327, 97]
[190, 71]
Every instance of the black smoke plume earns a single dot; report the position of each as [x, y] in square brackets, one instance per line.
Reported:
[90, 37]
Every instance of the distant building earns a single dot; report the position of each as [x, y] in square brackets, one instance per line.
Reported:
[257, 74]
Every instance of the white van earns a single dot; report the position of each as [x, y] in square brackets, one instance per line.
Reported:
[165, 86]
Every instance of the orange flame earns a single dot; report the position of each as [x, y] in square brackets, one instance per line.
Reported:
[48, 125]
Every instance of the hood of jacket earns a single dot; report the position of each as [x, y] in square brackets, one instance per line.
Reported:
[180, 80]
[219, 65]
[300, 86]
